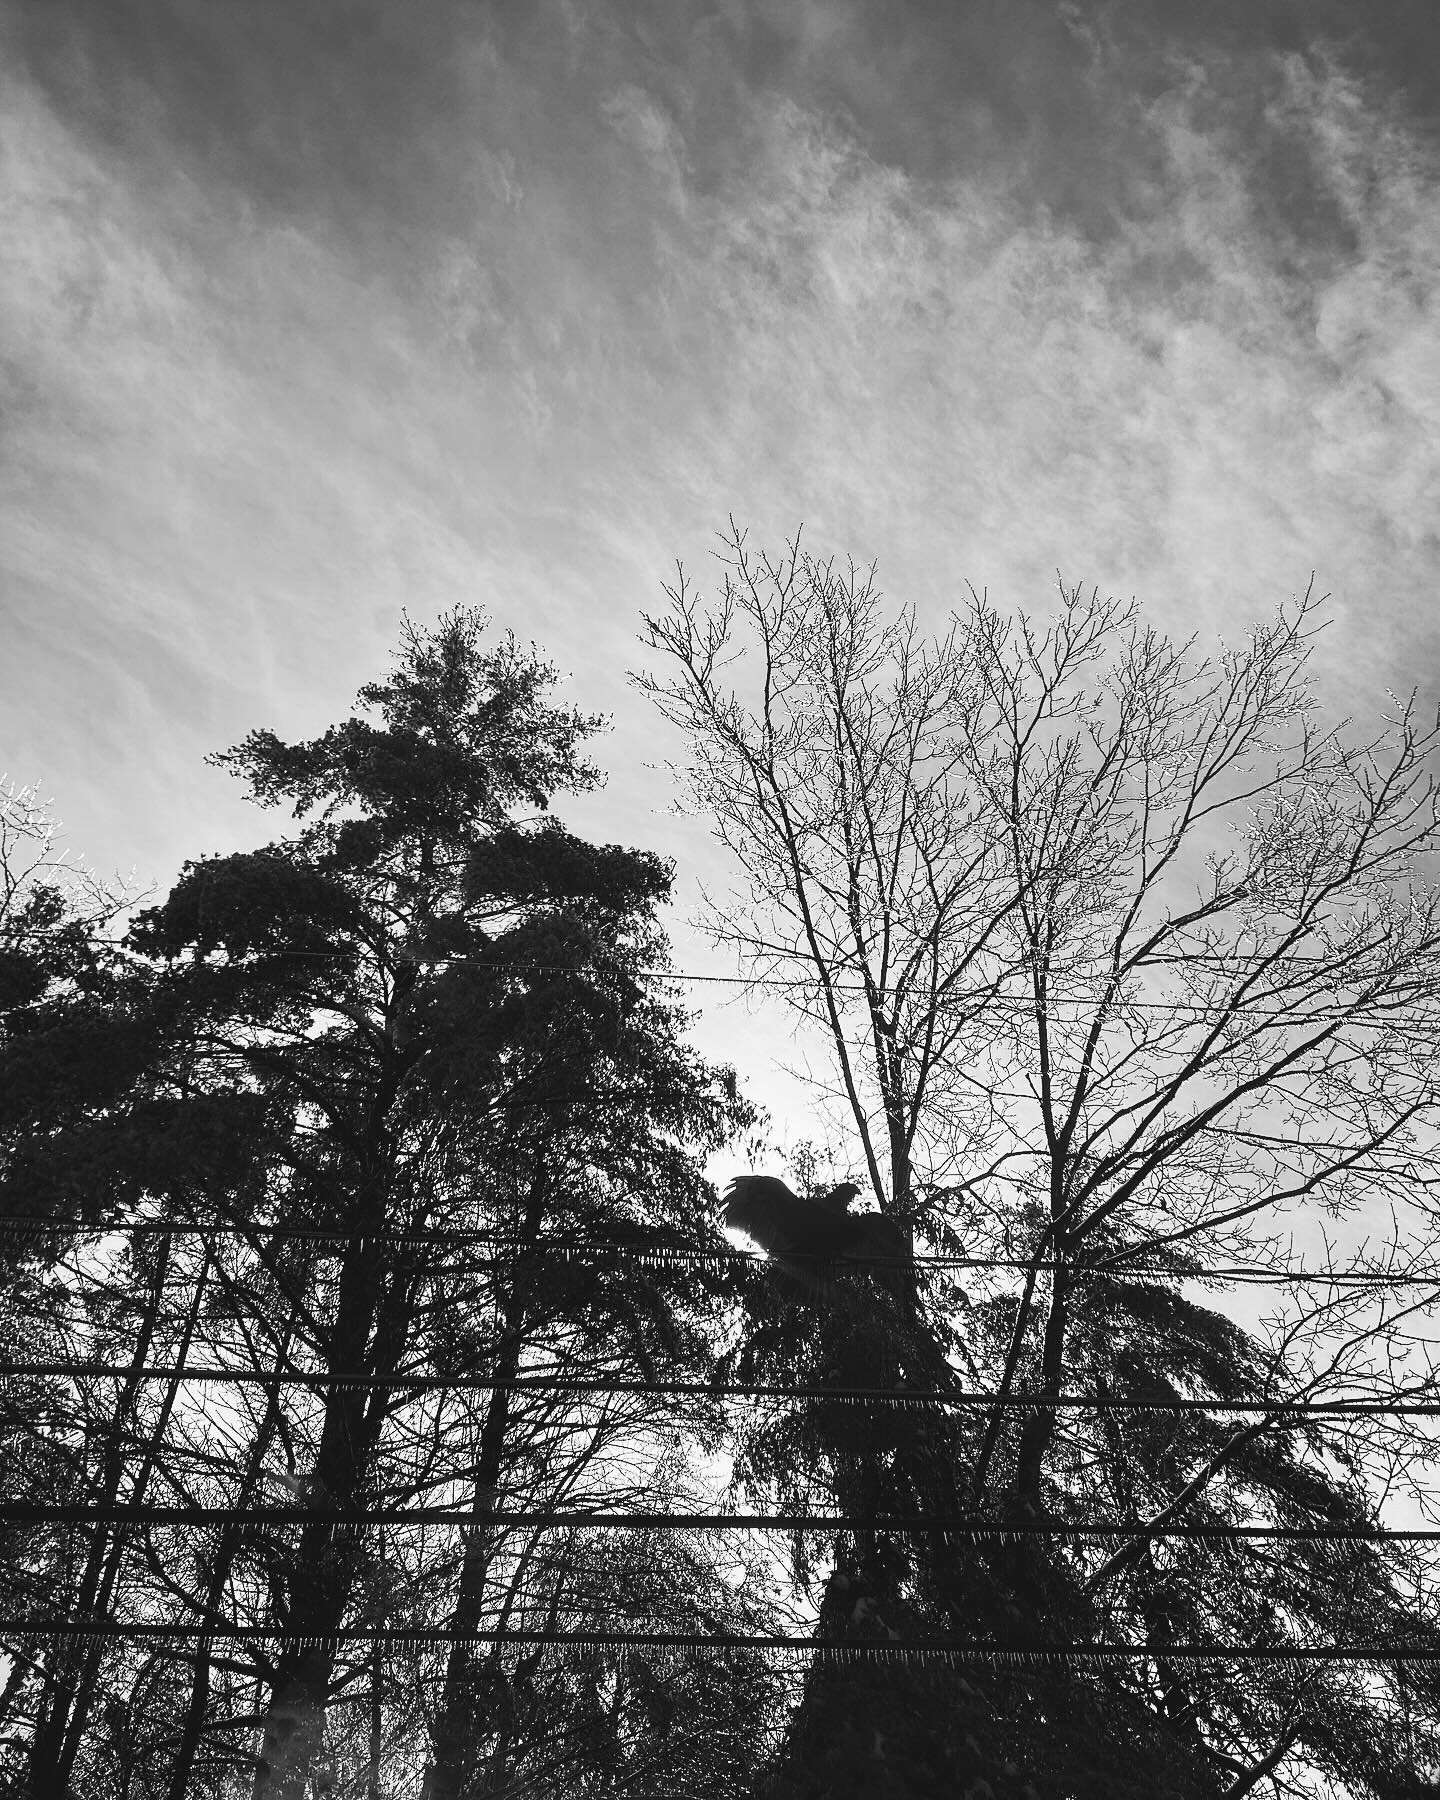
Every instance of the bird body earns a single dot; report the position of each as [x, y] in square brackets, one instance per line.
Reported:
[797, 1230]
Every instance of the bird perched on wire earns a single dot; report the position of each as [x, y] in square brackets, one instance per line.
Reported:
[805, 1234]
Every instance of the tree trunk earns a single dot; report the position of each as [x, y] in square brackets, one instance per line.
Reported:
[459, 1723]
[226, 1550]
[119, 1541]
[1039, 1428]
[68, 1704]
[377, 1722]
[325, 1562]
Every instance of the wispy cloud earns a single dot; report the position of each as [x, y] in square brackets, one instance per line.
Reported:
[303, 326]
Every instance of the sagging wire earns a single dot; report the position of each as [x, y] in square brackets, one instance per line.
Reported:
[32, 1227]
[953, 1650]
[555, 1384]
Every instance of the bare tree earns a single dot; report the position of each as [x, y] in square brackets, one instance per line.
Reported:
[1129, 961]
[878, 883]
[52, 904]
[1229, 1001]
[33, 856]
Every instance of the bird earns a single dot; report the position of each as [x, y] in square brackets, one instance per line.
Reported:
[800, 1231]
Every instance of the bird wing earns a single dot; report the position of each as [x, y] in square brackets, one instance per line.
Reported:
[781, 1222]
[754, 1203]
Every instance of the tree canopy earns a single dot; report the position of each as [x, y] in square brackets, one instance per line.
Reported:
[1125, 964]
[387, 1413]
[406, 1103]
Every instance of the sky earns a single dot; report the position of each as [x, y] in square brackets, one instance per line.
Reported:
[317, 311]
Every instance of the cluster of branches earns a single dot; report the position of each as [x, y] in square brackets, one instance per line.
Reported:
[1118, 957]
[1112, 951]
[423, 1010]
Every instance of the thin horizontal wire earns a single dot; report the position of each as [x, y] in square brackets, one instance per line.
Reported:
[551, 1384]
[960, 1523]
[886, 1649]
[722, 1252]
[28, 1225]
[1020, 1003]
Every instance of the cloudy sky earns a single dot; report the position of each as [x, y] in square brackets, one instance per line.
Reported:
[314, 310]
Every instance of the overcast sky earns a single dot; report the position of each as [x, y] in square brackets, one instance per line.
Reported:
[314, 310]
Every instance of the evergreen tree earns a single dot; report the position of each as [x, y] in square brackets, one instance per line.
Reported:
[429, 1011]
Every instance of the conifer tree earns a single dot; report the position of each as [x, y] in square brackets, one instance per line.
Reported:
[430, 1010]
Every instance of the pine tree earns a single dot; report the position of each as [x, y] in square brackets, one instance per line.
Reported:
[430, 1010]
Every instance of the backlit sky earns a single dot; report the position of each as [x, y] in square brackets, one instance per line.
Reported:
[314, 310]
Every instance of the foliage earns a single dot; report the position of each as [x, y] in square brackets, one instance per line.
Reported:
[1123, 962]
[404, 1103]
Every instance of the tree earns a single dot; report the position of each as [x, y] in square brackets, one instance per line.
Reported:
[67, 1005]
[52, 905]
[428, 1012]
[876, 881]
[1131, 962]
[68, 1008]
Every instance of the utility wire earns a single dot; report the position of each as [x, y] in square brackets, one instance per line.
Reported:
[1020, 1003]
[884, 1649]
[29, 1225]
[552, 1384]
[964, 1524]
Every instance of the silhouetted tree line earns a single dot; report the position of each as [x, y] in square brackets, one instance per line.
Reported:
[365, 1174]
[423, 1011]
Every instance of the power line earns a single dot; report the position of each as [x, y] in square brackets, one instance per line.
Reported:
[739, 1390]
[963, 1524]
[888, 1649]
[30, 1225]
[1019, 1003]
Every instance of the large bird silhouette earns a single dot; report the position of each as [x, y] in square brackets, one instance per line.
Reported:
[804, 1234]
